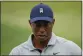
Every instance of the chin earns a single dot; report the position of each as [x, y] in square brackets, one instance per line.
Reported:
[43, 39]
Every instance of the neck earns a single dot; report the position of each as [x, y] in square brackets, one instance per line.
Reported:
[40, 44]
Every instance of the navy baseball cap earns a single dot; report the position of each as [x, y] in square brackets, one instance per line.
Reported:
[41, 12]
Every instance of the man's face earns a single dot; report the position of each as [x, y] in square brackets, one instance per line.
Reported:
[42, 29]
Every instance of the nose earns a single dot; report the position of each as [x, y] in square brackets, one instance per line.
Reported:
[42, 29]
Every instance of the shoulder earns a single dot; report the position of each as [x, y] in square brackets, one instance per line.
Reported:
[64, 41]
[18, 49]
[68, 45]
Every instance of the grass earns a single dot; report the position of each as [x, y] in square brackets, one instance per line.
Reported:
[15, 28]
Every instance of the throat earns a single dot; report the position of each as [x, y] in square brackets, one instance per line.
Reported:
[40, 44]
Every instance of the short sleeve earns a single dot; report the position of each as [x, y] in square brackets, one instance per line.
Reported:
[14, 51]
[73, 48]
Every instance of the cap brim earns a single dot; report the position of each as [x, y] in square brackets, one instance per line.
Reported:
[41, 18]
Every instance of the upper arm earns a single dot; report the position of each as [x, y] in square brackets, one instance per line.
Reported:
[73, 48]
[14, 51]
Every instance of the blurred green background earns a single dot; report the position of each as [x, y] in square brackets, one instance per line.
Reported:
[15, 28]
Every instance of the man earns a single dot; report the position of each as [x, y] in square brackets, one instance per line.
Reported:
[43, 41]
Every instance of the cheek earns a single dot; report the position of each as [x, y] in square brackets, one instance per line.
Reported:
[34, 30]
[49, 31]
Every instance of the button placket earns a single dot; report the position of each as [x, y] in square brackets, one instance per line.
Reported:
[44, 50]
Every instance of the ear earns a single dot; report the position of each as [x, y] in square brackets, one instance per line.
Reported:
[29, 22]
[53, 21]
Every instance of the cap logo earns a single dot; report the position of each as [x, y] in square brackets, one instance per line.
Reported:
[41, 10]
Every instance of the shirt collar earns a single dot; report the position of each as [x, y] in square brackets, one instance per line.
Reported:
[30, 43]
[52, 40]
[50, 43]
